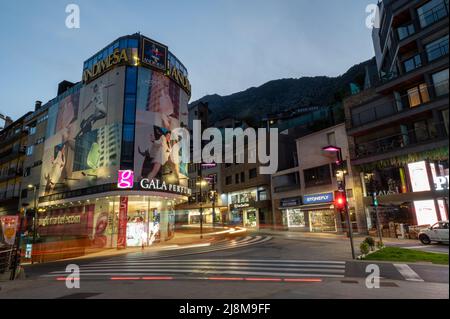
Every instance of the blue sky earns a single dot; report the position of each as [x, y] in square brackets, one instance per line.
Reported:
[226, 45]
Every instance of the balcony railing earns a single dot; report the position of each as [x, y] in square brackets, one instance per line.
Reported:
[398, 141]
[403, 103]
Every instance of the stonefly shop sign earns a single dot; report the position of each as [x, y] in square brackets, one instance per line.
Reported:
[318, 198]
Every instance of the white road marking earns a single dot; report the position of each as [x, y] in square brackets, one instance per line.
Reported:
[407, 272]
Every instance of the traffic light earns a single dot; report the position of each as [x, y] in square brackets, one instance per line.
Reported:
[340, 200]
[375, 199]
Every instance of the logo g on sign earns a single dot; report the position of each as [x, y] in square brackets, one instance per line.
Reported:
[125, 179]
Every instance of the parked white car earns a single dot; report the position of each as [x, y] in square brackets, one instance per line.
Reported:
[438, 232]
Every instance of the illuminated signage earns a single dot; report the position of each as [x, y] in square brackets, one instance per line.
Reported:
[425, 212]
[441, 183]
[154, 54]
[152, 184]
[318, 198]
[178, 76]
[419, 176]
[59, 220]
[125, 179]
[117, 57]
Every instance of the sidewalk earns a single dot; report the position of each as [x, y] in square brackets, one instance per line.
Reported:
[332, 236]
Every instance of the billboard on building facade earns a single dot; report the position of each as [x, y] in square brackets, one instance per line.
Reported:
[161, 107]
[83, 139]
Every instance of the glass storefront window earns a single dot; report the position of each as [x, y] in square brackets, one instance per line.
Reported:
[295, 218]
[322, 220]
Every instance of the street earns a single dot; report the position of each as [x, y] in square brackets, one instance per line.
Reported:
[253, 266]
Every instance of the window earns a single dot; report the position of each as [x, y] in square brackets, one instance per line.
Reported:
[228, 180]
[252, 173]
[331, 138]
[432, 12]
[405, 31]
[418, 95]
[242, 177]
[440, 81]
[30, 150]
[32, 130]
[437, 49]
[412, 63]
[315, 176]
[262, 195]
[236, 178]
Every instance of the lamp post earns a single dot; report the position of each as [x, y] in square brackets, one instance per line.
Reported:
[34, 187]
[341, 188]
[201, 182]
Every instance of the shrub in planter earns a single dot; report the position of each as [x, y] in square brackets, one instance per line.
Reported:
[370, 242]
[364, 248]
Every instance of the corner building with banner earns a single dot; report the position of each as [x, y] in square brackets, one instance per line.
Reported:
[108, 176]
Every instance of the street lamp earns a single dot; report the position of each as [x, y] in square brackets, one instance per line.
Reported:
[342, 203]
[201, 182]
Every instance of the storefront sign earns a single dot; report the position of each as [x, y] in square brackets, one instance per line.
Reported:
[125, 179]
[239, 205]
[290, 202]
[180, 78]
[104, 65]
[419, 176]
[70, 221]
[123, 218]
[155, 184]
[441, 183]
[59, 220]
[318, 198]
[9, 228]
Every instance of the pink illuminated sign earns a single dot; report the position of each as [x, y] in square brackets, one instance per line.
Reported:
[125, 179]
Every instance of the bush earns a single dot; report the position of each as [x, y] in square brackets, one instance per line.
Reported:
[364, 248]
[370, 242]
[380, 245]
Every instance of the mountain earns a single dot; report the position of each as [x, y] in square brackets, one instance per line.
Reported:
[283, 94]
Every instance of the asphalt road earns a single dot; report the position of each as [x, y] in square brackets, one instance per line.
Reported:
[248, 267]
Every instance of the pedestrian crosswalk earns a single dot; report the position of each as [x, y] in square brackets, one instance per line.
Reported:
[211, 267]
[172, 251]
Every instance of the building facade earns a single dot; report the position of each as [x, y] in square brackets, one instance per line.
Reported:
[399, 129]
[98, 158]
[303, 195]
[13, 149]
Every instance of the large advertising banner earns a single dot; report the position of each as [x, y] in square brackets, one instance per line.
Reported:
[161, 108]
[84, 130]
[9, 228]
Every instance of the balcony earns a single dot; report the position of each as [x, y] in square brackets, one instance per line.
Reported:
[12, 153]
[9, 139]
[396, 142]
[414, 99]
[11, 173]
